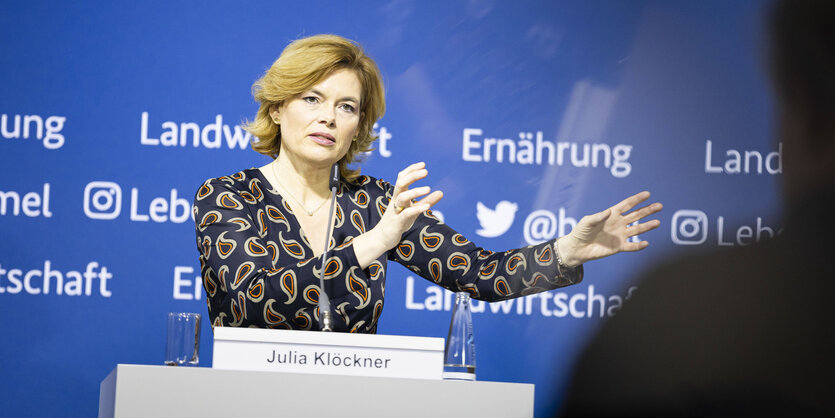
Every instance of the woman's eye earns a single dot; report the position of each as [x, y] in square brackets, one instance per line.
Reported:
[310, 99]
[347, 108]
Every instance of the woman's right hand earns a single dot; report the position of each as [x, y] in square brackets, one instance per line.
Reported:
[404, 207]
[400, 215]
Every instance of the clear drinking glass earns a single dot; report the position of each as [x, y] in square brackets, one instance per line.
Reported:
[182, 346]
[459, 353]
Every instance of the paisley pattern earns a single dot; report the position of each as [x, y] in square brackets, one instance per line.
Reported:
[258, 270]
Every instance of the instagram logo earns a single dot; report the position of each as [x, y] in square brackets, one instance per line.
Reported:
[689, 227]
[102, 200]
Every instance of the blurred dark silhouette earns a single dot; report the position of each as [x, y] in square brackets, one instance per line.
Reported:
[748, 331]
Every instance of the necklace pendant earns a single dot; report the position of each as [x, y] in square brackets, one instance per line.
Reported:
[309, 213]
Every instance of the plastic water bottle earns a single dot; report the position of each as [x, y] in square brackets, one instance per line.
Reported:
[459, 353]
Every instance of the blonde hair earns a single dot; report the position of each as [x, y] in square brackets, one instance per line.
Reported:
[303, 64]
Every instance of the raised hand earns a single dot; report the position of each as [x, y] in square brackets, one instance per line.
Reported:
[605, 233]
[404, 207]
[400, 215]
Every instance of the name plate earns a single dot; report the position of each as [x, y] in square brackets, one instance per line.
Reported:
[327, 353]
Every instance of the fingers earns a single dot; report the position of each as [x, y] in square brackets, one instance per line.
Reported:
[413, 211]
[432, 199]
[630, 202]
[634, 246]
[415, 166]
[641, 228]
[643, 212]
[405, 197]
[597, 218]
[405, 179]
[409, 175]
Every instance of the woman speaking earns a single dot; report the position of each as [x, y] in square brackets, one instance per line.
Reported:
[261, 231]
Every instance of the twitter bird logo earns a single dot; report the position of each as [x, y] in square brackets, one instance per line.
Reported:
[495, 222]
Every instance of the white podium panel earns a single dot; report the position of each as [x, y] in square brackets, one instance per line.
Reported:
[133, 391]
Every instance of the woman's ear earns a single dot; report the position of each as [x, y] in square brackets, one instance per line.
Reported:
[275, 113]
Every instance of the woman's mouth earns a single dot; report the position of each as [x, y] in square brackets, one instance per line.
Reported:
[322, 138]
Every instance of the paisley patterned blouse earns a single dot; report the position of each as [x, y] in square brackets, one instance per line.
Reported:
[258, 268]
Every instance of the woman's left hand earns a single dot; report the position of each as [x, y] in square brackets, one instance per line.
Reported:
[606, 233]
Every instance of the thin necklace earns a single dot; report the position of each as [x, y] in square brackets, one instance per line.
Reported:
[309, 212]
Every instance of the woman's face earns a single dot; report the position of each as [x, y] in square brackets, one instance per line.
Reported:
[317, 127]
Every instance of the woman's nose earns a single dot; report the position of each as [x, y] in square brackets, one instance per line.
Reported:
[327, 116]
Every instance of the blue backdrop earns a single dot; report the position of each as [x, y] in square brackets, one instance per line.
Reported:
[112, 114]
